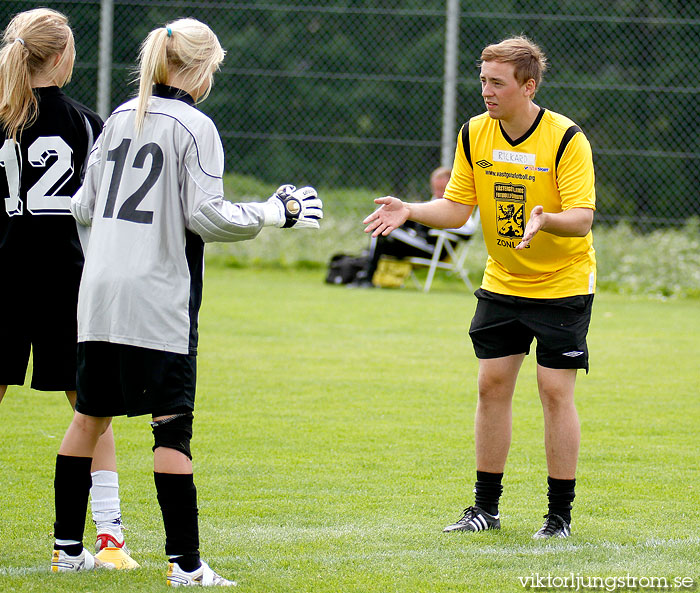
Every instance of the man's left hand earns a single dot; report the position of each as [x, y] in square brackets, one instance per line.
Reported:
[534, 224]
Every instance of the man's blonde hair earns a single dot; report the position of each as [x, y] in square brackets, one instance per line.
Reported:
[529, 60]
[30, 42]
[187, 47]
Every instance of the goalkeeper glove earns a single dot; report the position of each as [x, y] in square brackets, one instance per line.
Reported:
[301, 207]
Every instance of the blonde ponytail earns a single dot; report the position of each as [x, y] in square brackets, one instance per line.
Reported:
[30, 42]
[187, 48]
[153, 60]
[18, 105]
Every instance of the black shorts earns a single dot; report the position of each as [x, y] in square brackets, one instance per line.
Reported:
[40, 318]
[118, 380]
[506, 325]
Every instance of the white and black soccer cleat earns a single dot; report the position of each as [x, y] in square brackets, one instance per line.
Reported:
[554, 526]
[203, 577]
[61, 561]
[475, 519]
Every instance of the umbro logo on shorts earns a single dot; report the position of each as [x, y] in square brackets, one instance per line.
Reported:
[573, 353]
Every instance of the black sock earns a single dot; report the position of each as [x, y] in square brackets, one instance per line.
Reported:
[177, 497]
[561, 494]
[71, 549]
[488, 491]
[187, 562]
[71, 490]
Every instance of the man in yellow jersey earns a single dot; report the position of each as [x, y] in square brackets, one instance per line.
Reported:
[530, 171]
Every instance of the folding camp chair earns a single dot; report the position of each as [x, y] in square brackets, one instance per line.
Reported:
[450, 254]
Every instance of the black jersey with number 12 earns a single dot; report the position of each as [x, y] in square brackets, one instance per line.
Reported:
[39, 173]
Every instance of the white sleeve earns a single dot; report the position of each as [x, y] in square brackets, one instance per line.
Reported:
[207, 213]
[220, 220]
[82, 204]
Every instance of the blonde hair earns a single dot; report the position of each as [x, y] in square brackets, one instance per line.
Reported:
[29, 43]
[529, 60]
[186, 47]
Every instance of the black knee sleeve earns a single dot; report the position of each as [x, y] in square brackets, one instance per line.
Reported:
[174, 432]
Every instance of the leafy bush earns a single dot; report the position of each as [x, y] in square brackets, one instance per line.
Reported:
[661, 263]
[341, 228]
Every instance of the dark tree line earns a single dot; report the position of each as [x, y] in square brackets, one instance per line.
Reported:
[349, 93]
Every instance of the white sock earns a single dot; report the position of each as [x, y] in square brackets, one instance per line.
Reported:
[104, 500]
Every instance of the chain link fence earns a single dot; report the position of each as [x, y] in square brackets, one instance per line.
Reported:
[349, 93]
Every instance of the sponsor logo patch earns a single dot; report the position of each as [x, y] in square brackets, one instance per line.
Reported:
[510, 209]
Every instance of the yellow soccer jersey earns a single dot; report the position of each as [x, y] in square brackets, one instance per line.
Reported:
[551, 166]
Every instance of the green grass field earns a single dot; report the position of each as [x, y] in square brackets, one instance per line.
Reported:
[333, 441]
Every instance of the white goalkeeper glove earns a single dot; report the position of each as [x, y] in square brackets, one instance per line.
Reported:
[299, 208]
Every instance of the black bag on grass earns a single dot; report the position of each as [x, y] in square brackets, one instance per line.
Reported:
[342, 269]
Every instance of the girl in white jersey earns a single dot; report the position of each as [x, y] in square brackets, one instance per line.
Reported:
[152, 195]
[40, 254]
